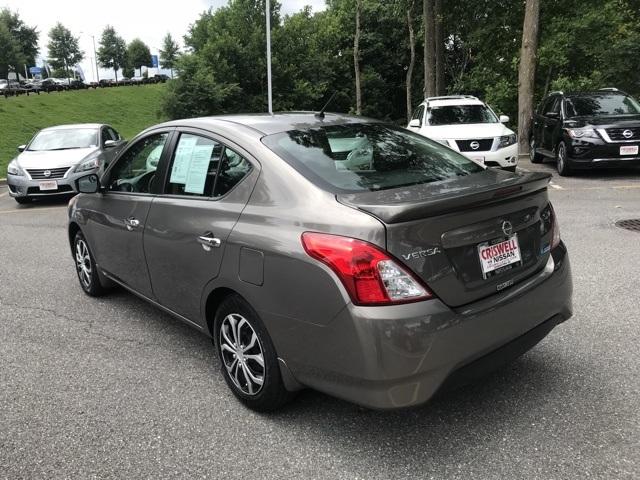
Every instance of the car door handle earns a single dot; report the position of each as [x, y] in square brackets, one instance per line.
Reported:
[131, 223]
[208, 241]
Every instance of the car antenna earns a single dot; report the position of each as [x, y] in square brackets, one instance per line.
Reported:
[320, 114]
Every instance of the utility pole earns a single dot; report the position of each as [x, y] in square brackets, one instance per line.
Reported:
[268, 15]
[93, 39]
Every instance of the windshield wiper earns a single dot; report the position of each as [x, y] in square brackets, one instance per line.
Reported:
[61, 148]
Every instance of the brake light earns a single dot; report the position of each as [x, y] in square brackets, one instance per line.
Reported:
[555, 229]
[368, 273]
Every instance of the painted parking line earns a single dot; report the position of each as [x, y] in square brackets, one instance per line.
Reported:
[32, 210]
[4, 194]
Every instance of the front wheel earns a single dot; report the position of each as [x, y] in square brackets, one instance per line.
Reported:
[248, 359]
[86, 267]
[564, 168]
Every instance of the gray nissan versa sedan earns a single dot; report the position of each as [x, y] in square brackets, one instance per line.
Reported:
[56, 157]
[332, 252]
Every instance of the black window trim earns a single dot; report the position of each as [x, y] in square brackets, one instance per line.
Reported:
[178, 131]
[167, 147]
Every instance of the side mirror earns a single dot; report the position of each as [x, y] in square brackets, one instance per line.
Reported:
[504, 119]
[415, 122]
[88, 184]
[110, 144]
[22, 148]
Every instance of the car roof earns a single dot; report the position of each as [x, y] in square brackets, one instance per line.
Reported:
[442, 102]
[268, 124]
[592, 93]
[75, 125]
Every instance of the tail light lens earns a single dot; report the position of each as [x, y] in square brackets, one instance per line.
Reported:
[555, 229]
[368, 273]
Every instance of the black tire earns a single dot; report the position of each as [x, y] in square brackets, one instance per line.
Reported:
[22, 200]
[562, 162]
[87, 276]
[533, 151]
[271, 394]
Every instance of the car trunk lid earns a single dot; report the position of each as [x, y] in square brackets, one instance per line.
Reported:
[436, 229]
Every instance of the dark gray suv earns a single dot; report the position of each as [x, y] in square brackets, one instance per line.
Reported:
[332, 252]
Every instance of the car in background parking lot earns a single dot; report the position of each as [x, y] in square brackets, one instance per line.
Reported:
[328, 251]
[55, 157]
[586, 130]
[469, 126]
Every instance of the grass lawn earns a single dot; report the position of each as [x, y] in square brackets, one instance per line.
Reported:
[128, 109]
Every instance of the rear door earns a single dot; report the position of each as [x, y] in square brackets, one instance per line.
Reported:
[115, 227]
[207, 185]
[441, 234]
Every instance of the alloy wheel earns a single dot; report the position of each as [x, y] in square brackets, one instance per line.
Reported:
[561, 157]
[242, 354]
[532, 147]
[83, 263]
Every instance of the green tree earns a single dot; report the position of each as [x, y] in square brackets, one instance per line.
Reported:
[138, 55]
[18, 43]
[112, 51]
[169, 53]
[63, 49]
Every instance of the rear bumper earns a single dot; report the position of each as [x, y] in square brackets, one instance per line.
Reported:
[400, 356]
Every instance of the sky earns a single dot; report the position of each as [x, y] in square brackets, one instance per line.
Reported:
[149, 20]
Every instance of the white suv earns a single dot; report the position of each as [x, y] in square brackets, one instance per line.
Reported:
[469, 126]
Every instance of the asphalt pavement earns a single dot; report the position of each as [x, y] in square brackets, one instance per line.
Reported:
[114, 388]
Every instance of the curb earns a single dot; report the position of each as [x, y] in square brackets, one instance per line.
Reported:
[3, 181]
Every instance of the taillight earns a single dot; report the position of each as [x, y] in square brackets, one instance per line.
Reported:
[369, 274]
[555, 229]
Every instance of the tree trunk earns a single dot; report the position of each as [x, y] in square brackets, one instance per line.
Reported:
[439, 47]
[412, 61]
[115, 72]
[527, 72]
[547, 83]
[429, 49]
[356, 58]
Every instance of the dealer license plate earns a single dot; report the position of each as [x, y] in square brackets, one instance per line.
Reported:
[48, 185]
[499, 255]
[629, 150]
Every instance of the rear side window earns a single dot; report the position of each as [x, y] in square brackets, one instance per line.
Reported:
[367, 157]
[233, 169]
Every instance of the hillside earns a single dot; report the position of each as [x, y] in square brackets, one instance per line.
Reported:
[128, 109]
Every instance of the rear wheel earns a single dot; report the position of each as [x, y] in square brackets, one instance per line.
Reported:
[22, 200]
[248, 359]
[534, 155]
[564, 168]
[86, 267]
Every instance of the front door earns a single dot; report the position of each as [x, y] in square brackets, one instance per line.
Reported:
[186, 233]
[116, 226]
[551, 121]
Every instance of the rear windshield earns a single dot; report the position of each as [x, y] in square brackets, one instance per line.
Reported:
[459, 115]
[605, 104]
[367, 157]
